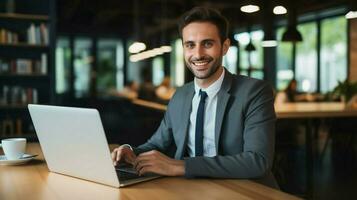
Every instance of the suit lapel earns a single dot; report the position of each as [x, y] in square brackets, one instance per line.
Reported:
[222, 101]
[186, 111]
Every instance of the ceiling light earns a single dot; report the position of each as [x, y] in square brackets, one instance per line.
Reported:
[279, 10]
[134, 58]
[166, 48]
[250, 47]
[158, 51]
[249, 8]
[151, 53]
[145, 55]
[136, 47]
[292, 35]
[351, 15]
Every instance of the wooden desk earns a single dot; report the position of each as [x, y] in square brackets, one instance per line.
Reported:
[287, 110]
[314, 110]
[150, 104]
[33, 181]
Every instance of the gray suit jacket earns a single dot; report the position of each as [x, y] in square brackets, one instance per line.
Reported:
[244, 131]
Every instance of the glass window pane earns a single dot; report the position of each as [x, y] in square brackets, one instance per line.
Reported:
[158, 70]
[252, 59]
[244, 72]
[133, 72]
[257, 55]
[110, 60]
[63, 60]
[120, 65]
[230, 59]
[244, 59]
[243, 40]
[178, 65]
[82, 66]
[258, 74]
[333, 52]
[284, 61]
[306, 58]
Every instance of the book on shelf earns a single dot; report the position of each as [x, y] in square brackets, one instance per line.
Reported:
[13, 126]
[44, 33]
[22, 66]
[31, 32]
[8, 37]
[37, 34]
[43, 64]
[18, 95]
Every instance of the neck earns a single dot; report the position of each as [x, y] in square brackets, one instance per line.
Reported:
[205, 83]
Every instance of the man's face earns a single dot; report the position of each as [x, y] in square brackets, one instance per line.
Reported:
[203, 49]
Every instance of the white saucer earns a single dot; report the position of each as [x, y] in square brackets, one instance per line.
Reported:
[4, 161]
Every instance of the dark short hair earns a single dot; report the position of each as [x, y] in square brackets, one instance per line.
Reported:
[204, 14]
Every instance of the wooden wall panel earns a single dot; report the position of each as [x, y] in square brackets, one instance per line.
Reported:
[353, 50]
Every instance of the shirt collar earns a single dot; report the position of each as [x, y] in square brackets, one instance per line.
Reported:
[213, 89]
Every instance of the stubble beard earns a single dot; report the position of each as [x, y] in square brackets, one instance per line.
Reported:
[211, 71]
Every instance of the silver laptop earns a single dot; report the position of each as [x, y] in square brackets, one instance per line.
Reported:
[74, 144]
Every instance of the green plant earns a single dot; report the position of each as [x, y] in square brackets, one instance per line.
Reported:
[345, 89]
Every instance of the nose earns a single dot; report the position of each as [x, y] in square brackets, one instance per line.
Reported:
[199, 52]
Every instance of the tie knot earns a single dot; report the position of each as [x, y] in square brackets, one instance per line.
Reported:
[203, 95]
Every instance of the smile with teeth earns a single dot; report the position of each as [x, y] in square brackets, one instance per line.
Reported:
[200, 63]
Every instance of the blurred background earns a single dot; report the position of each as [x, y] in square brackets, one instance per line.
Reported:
[125, 58]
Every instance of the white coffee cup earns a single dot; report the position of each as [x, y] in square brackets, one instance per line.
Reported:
[14, 148]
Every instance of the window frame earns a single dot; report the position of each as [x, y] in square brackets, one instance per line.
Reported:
[308, 19]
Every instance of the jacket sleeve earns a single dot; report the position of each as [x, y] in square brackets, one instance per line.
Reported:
[257, 156]
[162, 139]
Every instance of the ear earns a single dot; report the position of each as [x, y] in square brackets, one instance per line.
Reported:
[226, 45]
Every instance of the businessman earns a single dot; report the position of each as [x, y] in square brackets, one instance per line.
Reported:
[220, 125]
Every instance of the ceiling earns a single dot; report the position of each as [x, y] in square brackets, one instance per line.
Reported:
[117, 17]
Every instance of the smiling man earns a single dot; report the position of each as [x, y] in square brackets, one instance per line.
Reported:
[220, 125]
[203, 51]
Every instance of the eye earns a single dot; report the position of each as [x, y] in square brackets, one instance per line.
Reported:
[208, 44]
[189, 45]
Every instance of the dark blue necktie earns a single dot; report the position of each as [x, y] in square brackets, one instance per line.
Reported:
[199, 124]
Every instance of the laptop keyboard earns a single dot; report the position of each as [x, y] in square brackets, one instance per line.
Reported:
[124, 176]
[126, 172]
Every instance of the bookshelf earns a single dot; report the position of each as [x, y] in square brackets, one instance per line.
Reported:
[22, 45]
[19, 16]
[27, 37]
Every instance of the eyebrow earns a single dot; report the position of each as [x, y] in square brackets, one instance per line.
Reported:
[203, 41]
[208, 40]
[188, 42]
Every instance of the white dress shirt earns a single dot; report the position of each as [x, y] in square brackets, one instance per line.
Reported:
[209, 146]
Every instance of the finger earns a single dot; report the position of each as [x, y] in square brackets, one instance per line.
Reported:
[142, 158]
[145, 168]
[118, 155]
[131, 158]
[114, 157]
[149, 153]
[147, 156]
[114, 154]
[144, 164]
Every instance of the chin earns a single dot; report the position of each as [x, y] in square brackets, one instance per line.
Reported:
[199, 74]
[202, 75]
